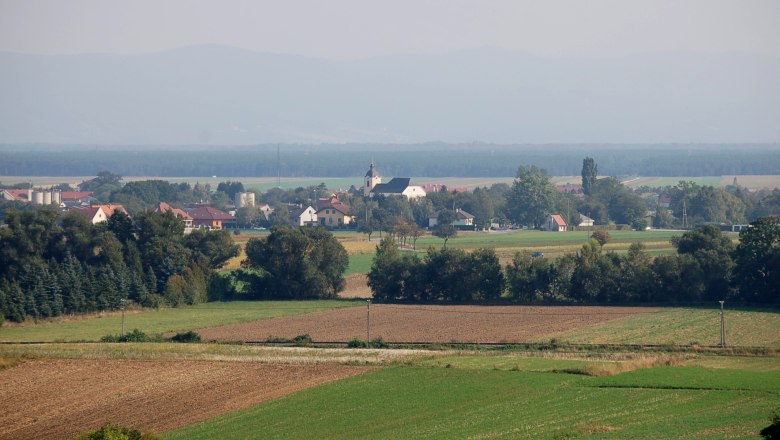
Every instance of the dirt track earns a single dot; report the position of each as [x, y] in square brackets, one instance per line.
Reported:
[56, 399]
[410, 323]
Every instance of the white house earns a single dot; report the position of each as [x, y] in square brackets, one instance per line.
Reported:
[555, 223]
[585, 220]
[462, 218]
[303, 216]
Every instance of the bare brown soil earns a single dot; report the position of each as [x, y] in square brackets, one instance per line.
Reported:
[56, 399]
[421, 323]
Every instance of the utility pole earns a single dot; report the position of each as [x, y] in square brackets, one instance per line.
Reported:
[368, 321]
[123, 316]
[722, 327]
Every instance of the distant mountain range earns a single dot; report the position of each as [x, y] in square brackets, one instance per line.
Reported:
[220, 95]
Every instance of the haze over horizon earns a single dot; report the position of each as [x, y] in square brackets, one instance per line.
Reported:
[243, 72]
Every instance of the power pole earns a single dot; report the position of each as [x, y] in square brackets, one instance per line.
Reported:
[368, 321]
[123, 316]
[722, 327]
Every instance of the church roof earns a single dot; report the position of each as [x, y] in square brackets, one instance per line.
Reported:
[396, 185]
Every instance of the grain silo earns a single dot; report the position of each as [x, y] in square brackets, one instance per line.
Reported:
[38, 197]
[56, 197]
[47, 197]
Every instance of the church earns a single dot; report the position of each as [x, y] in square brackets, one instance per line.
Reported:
[397, 186]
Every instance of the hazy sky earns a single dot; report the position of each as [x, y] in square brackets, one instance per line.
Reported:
[362, 28]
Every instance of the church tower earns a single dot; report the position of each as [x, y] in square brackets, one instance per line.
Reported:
[372, 179]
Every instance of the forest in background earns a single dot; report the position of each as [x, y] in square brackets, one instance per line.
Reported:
[423, 160]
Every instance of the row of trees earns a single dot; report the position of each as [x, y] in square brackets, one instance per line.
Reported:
[707, 267]
[53, 263]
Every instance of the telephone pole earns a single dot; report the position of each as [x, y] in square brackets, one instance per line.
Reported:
[368, 321]
[722, 327]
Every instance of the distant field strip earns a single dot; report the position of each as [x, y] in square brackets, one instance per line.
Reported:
[683, 326]
[497, 324]
[93, 327]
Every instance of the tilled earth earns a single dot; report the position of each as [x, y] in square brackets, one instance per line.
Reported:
[56, 399]
[426, 323]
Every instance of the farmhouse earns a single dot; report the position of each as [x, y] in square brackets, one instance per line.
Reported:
[334, 214]
[462, 218]
[397, 186]
[303, 216]
[93, 213]
[210, 218]
[163, 207]
[585, 221]
[555, 223]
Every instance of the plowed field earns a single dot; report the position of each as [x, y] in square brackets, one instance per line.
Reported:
[55, 399]
[408, 323]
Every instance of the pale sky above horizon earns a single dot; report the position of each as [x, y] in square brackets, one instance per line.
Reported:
[344, 29]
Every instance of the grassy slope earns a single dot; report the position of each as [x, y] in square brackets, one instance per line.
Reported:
[414, 402]
[684, 326]
[164, 320]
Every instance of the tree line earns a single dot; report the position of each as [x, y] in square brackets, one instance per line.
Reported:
[707, 267]
[54, 263]
[430, 160]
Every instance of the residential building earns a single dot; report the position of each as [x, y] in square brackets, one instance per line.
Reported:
[462, 219]
[555, 223]
[163, 207]
[207, 217]
[334, 215]
[303, 216]
[93, 213]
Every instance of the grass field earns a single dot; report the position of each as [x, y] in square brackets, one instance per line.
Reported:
[414, 402]
[684, 326]
[93, 327]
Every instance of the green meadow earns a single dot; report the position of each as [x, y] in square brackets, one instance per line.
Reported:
[483, 402]
[93, 327]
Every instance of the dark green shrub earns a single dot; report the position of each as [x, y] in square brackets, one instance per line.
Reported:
[302, 340]
[133, 336]
[189, 336]
[378, 343]
[112, 432]
[357, 343]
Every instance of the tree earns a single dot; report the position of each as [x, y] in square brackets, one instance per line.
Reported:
[394, 275]
[601, 236]
[443, 228]
[297, 263]
[757, 257]
[215, 247]
[532, 197]
[710, 253]
[589, 175]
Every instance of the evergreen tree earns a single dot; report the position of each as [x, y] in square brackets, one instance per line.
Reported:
[589, 175]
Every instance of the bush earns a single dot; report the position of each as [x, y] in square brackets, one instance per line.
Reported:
[379, 343]
[112, 432]
[357, 343]
[133, 336]
[189, 336]
[374, 343]
[302, 340]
